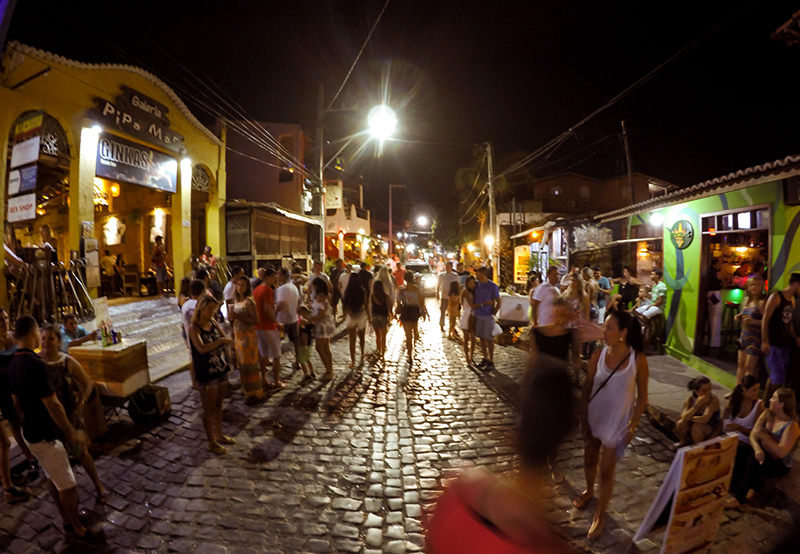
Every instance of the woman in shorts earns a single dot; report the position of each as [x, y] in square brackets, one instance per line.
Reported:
[324, 327]
[410, 307]
[210, 370]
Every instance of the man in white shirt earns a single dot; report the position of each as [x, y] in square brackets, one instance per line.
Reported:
[317, 273]
[229, 292]
[287, 299]
[197, 288]
[543, 297]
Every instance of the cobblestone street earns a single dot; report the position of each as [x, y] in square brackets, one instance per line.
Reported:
[348, 466]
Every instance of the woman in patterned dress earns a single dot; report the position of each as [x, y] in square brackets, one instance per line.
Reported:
[750, 339]
[245, 318]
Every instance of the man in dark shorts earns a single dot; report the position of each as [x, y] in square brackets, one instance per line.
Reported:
[44, 422]
[778, 334]
[487, 303]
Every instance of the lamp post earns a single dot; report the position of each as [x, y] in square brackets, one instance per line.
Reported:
[391, 236]
[382, 122]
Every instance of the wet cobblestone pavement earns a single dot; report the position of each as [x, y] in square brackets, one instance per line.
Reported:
[347, 466]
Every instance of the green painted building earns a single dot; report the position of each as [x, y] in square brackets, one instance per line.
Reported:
[740, 224]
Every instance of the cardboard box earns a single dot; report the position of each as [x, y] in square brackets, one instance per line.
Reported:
[112, 364]
[126, 387]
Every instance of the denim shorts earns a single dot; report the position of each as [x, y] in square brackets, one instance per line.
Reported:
[778, 363]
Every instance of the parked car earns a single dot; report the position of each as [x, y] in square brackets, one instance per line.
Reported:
[424, 277]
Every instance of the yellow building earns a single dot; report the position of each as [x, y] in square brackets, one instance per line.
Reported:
[106, 152]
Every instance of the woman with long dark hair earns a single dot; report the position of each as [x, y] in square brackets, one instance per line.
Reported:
[614, 399]
[380, 313]
[467, 322]
[773, 440]
[750, 337]
[743, 410]
[354, 307]
[184, 293]
[700, 417]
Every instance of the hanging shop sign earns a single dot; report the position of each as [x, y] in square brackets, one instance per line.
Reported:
[522, 257]
[22, 179]
[22, 208]
[29, 127]
[682, 234]
[140, 116]
[121, 160]
[25, 152]
[333, 196]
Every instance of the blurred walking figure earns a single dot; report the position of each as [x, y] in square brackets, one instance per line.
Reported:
[324, 326]
[454, 307]
[614, 398]
[354, 307]
[485, 513]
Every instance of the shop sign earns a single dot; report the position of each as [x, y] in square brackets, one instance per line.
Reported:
[522, 256]
[333, 196]
[25, 152]
[29, 127]
[121, 160]
[682, 234]
[22, 179]
[140, 116]
[22, 208]
[694, 491]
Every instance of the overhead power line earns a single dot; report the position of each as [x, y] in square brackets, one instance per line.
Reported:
[554, 143]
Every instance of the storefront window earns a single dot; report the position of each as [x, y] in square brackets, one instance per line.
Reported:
[736, 221]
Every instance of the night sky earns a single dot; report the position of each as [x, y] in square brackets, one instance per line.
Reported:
[458, 73]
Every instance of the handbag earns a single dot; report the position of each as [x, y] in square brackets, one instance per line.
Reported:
[619, 365]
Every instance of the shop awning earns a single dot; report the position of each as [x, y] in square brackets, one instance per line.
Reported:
[617, 243]
[276, 209]
[542, 227]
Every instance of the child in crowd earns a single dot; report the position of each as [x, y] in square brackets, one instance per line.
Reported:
[306, 332]
[454, 307]
[642, 299]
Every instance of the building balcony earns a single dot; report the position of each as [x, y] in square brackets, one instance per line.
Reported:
[349, 219]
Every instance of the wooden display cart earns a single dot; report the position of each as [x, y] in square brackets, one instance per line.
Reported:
[122, 376]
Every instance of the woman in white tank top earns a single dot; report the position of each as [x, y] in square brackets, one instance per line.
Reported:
[614, 399]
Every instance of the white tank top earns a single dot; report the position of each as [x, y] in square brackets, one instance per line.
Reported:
[748, 422]
[610, 411]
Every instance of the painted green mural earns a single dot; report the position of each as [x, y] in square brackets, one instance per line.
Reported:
[682, 267]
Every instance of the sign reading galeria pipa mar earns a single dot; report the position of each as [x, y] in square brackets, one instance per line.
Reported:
[121, 160]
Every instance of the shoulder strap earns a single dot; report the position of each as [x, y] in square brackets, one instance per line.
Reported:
[619, 365]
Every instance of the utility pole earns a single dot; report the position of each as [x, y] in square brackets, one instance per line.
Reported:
[628, 161]
[391, 236]
[493, 227]
[319, 203]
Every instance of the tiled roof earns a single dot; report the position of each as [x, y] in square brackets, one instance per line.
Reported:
[53, 58]
[728, 179]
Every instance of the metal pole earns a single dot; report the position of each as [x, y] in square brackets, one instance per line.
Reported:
[321, 188]
[391, 236]
[628, 161]
[492, 214]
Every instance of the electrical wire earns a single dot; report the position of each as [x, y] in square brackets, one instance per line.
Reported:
[477, 176]
[270, 143]
[641, 81]
[363, 46]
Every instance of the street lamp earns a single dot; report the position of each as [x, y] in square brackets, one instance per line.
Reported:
[489, 240]
[382, 122]
[422, 221]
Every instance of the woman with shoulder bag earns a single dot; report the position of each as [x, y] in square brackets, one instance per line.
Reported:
[614, 399]
[210, 370]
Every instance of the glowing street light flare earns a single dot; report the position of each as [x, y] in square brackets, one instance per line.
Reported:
[422, 220]
[489, 240]
[382, 122]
